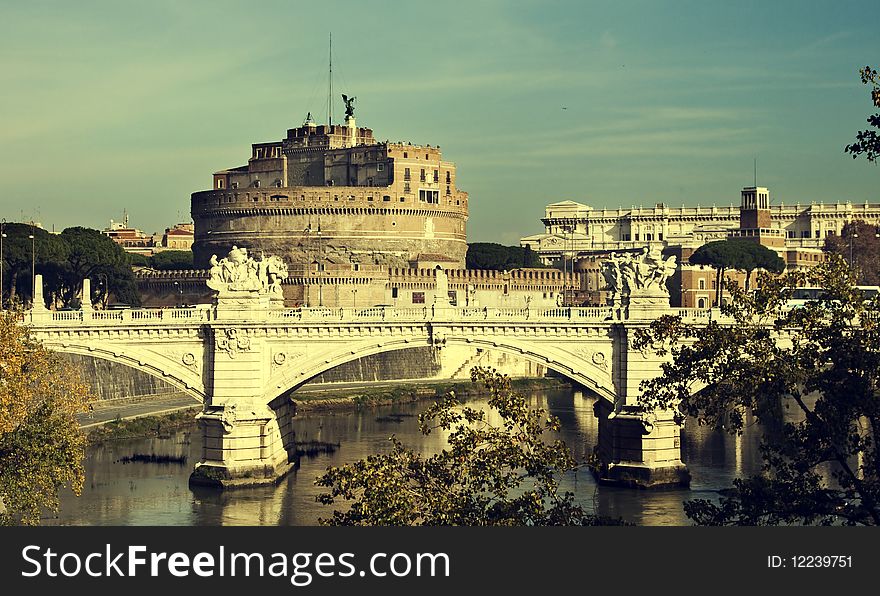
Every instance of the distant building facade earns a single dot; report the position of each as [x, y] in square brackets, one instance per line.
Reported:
[334, 195]
[578, 238]
[571, 228]
[133, 240]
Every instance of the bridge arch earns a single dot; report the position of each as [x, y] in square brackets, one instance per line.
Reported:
[155, 366]
[567, 364]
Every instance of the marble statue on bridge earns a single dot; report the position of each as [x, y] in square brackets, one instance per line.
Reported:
[639, 277]
[239, 272]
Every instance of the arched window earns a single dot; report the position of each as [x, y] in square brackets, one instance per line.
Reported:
[701, 303]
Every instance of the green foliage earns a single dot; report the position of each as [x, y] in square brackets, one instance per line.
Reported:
[172, 260]
[867, 141]
[65, 260]
[488, 255]
[498, 469]
[41, 446]
[809, 376]
[45, 250]
[137, 260]
[740, 254]
[859, 245]
[96, 256]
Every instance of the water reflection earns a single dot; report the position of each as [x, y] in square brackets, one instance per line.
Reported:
[158, 494]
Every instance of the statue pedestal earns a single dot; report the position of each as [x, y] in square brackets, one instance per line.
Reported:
[237, 305]
[646, 306]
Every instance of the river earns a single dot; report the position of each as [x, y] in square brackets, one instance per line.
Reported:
[139, 493]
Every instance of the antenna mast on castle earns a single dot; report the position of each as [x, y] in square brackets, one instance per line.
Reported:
[330, 94]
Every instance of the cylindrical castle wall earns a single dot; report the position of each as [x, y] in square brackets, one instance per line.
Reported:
[329, 225]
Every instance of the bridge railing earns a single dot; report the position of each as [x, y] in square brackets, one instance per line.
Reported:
[207, 313]
[135, 316]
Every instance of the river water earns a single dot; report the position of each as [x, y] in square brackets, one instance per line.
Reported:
[118, 493]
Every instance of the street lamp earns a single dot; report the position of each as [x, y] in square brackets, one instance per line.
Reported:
[33, 268]
[179, 293]
[105, 290]
[2, 236]
[851, 236]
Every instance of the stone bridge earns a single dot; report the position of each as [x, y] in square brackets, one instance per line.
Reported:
[245, 355]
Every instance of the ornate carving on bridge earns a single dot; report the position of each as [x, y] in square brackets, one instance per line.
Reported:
[639, 277]
[239, 272]
[232, 341]
[596, 357]
[281, 358]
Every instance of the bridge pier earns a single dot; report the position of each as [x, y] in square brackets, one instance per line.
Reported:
[636, 448]
[241, 447]
[637, 451]
[243, 441]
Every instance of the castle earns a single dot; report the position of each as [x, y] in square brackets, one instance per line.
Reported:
[334, 196]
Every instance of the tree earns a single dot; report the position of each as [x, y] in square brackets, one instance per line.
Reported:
[751, 256]
[810, 376]
[740, 254]
[500, 472]
[92, 254]
[20, 253]
[172, 260]
[859, 245]
[867, 141]
[41, 445]
[489, 255]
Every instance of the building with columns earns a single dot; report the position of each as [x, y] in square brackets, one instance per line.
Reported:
[578, 238]
[572, 228]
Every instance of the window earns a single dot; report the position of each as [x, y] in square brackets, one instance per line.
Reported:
[805, 234]
[406, 187]
[418, 297]
[406, 174]
[405, 155]
[818, 234]
[436, 175]
[256, 184]
[660, 236]
[386, 198]
[448, 180]
[790, 234]
[429, 196]
[702, 284]
[637, 238]
[235, 185]
[422, 175]
[649, 237]
[426, 156]
[701, 303]
[219, 182]
[453, 297]
[380, 167]
[394, 292]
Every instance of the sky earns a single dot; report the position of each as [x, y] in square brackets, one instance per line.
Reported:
[112, 106]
